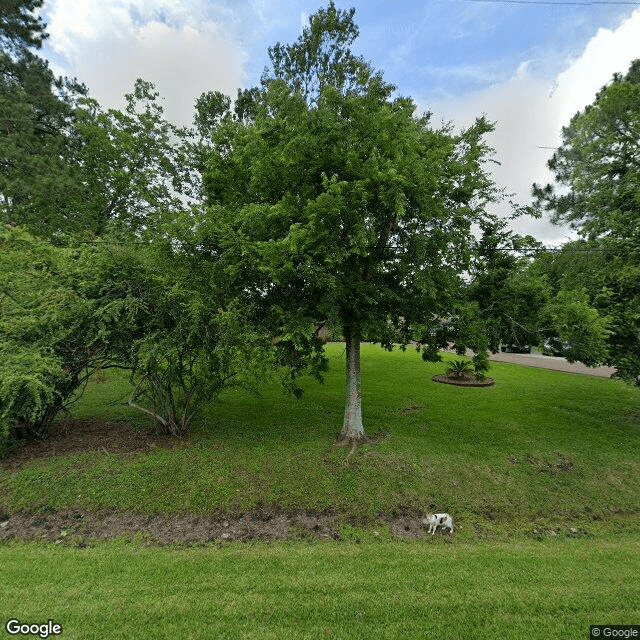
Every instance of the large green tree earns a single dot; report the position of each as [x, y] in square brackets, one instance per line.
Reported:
[329, 200]
[134, 169]
[67, 166]
[598, 168]
[20, 27]
[503, 293]
[36, 117]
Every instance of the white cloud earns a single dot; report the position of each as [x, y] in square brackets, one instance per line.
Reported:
[109, 43]
[530, 112]
[189, 46]
[608, 52]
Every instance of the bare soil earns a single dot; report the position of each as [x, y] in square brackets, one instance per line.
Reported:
[80, 526]
[271, 524]
[78, 435]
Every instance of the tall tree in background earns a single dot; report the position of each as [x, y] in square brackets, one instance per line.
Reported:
[599, 166]
[134, 169]
[507, 297]
[329, 200]
[20, 28]
[36, 116]
[67, 166]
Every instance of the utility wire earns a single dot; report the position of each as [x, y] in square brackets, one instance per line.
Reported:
[537, 250]
[594, 2]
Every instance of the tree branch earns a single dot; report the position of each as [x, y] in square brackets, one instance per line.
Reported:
[131, 403]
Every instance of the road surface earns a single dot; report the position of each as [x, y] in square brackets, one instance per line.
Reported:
[550, 362]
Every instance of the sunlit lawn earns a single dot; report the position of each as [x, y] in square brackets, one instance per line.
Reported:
[518, 465]
[389, 590]
[540, 446]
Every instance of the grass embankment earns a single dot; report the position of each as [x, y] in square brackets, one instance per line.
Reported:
[484, 590]
[540, 448]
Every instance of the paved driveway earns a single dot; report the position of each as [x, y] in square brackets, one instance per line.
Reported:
[549, 362]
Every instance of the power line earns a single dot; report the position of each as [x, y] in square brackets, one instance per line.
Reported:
[534, 249]
[593, 2]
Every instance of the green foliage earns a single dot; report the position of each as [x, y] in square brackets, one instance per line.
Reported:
[508, 299]
[515, 300]
[460, 368]
[67, 311]
[599, 166]
[134, 166]
[331, 201]
[191, 350]
[476, 368]
[36, 117]
[19, 27]
[63, 313]
[30, 297]
[28, 388]
[70, 167]
[322, 58]
[579, 325]
[480, 364]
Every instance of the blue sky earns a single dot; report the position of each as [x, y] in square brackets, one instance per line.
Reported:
[528, 66]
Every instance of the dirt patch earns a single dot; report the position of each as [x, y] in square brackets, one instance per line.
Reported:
[413, 408]
[463, 382]
[78, 435]
[274, 524]
[561, 462]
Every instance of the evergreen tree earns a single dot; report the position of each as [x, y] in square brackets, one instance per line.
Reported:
[598, 166]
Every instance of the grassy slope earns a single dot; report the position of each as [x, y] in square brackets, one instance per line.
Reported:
[484, 590]
[539, 447]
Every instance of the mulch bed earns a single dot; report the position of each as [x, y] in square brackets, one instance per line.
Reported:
[463, 382]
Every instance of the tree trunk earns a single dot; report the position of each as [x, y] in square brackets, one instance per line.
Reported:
[352, 429]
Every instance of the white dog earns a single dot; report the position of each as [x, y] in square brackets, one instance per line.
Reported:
[441, 520]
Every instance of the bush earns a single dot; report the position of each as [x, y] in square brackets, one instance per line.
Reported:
[460, 369]
[64, 311]
[481, 365]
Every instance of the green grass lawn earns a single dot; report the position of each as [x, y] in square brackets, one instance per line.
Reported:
[540, 451]
[540, 448]
[484, 590]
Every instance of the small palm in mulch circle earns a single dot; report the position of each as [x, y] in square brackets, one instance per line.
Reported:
[460, 369]
[462, 373]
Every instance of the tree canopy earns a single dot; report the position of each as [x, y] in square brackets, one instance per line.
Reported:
[598, 166]
[329, 200]
[20, 27]
[36, 118]
[199, 261]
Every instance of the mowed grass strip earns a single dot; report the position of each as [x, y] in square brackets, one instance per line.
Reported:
[391, 590]
[539, 447]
